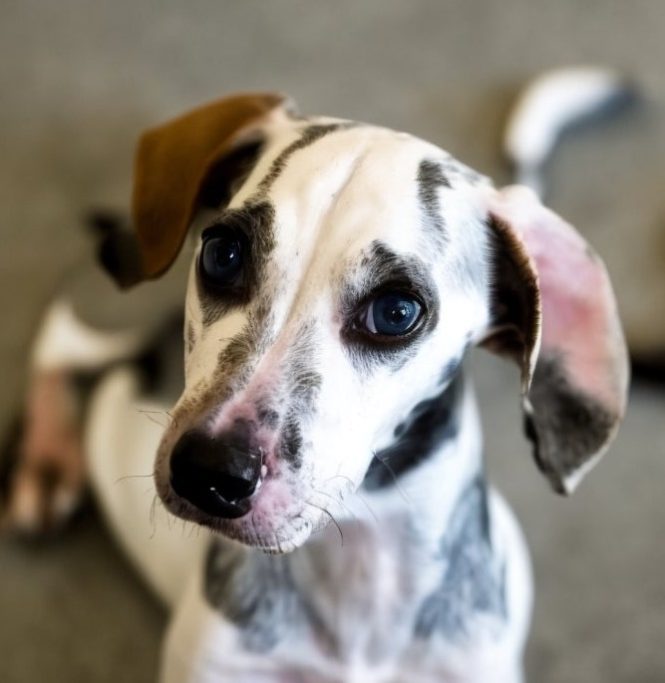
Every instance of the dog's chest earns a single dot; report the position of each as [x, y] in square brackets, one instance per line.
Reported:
[359, 595]
[367, 602]
[346, 609]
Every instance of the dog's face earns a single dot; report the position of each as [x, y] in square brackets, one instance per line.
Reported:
[339, 284]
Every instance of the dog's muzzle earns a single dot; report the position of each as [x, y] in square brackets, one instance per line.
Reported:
[217, 474]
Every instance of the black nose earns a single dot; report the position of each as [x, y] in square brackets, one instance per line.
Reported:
[216, 474]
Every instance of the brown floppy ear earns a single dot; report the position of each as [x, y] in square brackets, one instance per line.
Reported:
[174, 167]
[554, 312]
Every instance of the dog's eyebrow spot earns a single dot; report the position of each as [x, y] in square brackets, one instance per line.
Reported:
[256, 219]
[382, 269]
[430, 179]
[383, 266]
[308, 136]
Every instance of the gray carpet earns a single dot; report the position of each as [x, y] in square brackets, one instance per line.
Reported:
[80, 79]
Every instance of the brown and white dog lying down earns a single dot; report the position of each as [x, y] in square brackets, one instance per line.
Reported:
[340, 274]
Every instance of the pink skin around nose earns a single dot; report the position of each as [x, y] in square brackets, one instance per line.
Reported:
[273, 497]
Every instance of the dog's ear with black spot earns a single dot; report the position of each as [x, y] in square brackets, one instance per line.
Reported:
[189, 162]
[554, 312]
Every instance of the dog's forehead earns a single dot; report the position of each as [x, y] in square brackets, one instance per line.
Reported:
[340, 186]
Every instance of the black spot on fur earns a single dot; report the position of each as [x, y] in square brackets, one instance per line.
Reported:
[237, 360]
[304, 380]
[430, 424]
[253, 591]
[309, 136]
[290, 446]
[267, 416]
[233, 362]
[473, 581]
[567, 427]
[226, 177]
[190, 337]
[430, 179]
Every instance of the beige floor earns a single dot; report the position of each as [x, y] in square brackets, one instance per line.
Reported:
[80, 79]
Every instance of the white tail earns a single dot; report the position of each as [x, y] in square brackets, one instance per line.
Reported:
[552, 103]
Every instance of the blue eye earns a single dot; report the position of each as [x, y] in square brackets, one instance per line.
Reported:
[392, 314]
[221, 259]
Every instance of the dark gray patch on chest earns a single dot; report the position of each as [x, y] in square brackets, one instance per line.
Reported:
[473, 580]
[253, 591]
[308, 137]
[430, 424]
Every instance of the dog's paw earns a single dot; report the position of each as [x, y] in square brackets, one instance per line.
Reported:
[39, 490]
[42, 477]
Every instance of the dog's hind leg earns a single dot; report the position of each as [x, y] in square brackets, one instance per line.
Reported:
[88, 327]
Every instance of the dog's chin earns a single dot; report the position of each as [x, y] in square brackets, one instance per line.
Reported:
[272, 535]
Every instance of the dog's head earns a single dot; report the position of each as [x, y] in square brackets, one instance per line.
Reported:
[341, 274]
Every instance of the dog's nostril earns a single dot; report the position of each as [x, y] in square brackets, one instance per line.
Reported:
[217, 475]
[233, 489]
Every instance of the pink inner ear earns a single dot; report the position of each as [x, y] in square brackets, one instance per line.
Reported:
[579, 319]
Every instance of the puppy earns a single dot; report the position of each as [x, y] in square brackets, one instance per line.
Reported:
[326, 432]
